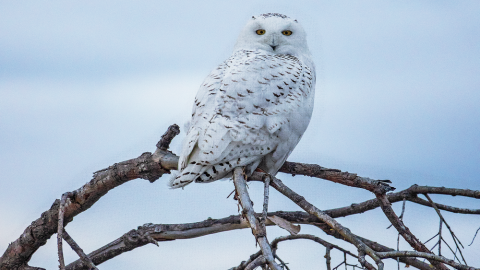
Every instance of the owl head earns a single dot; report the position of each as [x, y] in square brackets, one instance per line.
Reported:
[274, 33]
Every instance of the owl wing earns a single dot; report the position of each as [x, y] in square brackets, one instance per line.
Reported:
[240, 111]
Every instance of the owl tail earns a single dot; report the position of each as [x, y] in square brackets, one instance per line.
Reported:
[206, 174]
[186, 176]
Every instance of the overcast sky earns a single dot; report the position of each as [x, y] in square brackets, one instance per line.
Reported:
[86, 84]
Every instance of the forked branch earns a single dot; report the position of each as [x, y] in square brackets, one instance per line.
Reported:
[257, 229]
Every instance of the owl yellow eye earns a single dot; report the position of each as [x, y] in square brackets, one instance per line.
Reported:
[287, 32]
[260, 32]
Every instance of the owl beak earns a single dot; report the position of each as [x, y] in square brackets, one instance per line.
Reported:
[273, 47]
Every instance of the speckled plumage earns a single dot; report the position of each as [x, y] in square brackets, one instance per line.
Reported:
[252, 109]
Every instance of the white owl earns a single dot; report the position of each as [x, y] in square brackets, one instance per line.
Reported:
[252, 109]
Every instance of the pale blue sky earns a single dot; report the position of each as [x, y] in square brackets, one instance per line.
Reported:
[85, 84]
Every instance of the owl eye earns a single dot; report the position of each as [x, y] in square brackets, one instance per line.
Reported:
[287, 32]
[260, 32]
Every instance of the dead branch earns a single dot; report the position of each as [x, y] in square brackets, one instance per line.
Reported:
[337, 176]
[257, 229]
[152, 166]
[473, 239]
[445, 207]
[313, 238]
[309, 208]
[259, 261]
[404, 231]
[79, 251]
[146, 166]
[61, 213]
[151, 233]
[295, 217]
[454, 237]
[428, 256]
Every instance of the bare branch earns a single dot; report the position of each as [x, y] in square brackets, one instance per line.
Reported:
[265, 199]
[283, 264]
[152, 166]
[167, 138]
[79, 251]
[313, 238]
[337, 176]
[61, 213]
[260, 260]
[454, 237]
[257, 229]
[328, 258]
[146, 166]
[168, 232]
[428, 256]
[474, 236]
[403, 230]
[309, 208]
[445, 207]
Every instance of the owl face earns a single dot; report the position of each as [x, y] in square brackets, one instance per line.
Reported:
[276, 34]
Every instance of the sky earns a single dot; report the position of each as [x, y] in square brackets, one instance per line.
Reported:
[86, 84]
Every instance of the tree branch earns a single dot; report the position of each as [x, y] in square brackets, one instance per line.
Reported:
[454, 237]
[146, 166]
[79, 251]
[428, 256]
[61, 213]
[311, 209]
[152, 166]
[404, 231]
[337, 176]
[257, 229]
[151, 233]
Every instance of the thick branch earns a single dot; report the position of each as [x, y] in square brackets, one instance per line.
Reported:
[337, 176]
[36, 235]
[150, 233]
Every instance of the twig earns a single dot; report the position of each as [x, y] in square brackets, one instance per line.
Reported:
[445, 207]
[403, 230]
[61, 214]
[79, 251]
[453, 252]
[258, 231]
[265, 199]
[429, 256]
[454, 237]
[313, 238]
[283, 264]
[474, 236]
[430, 239]
[328, 258]
[440, 239]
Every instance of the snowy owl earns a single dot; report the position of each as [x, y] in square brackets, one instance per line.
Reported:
[253, 108]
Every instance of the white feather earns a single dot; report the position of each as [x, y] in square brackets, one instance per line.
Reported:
[252, 109]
